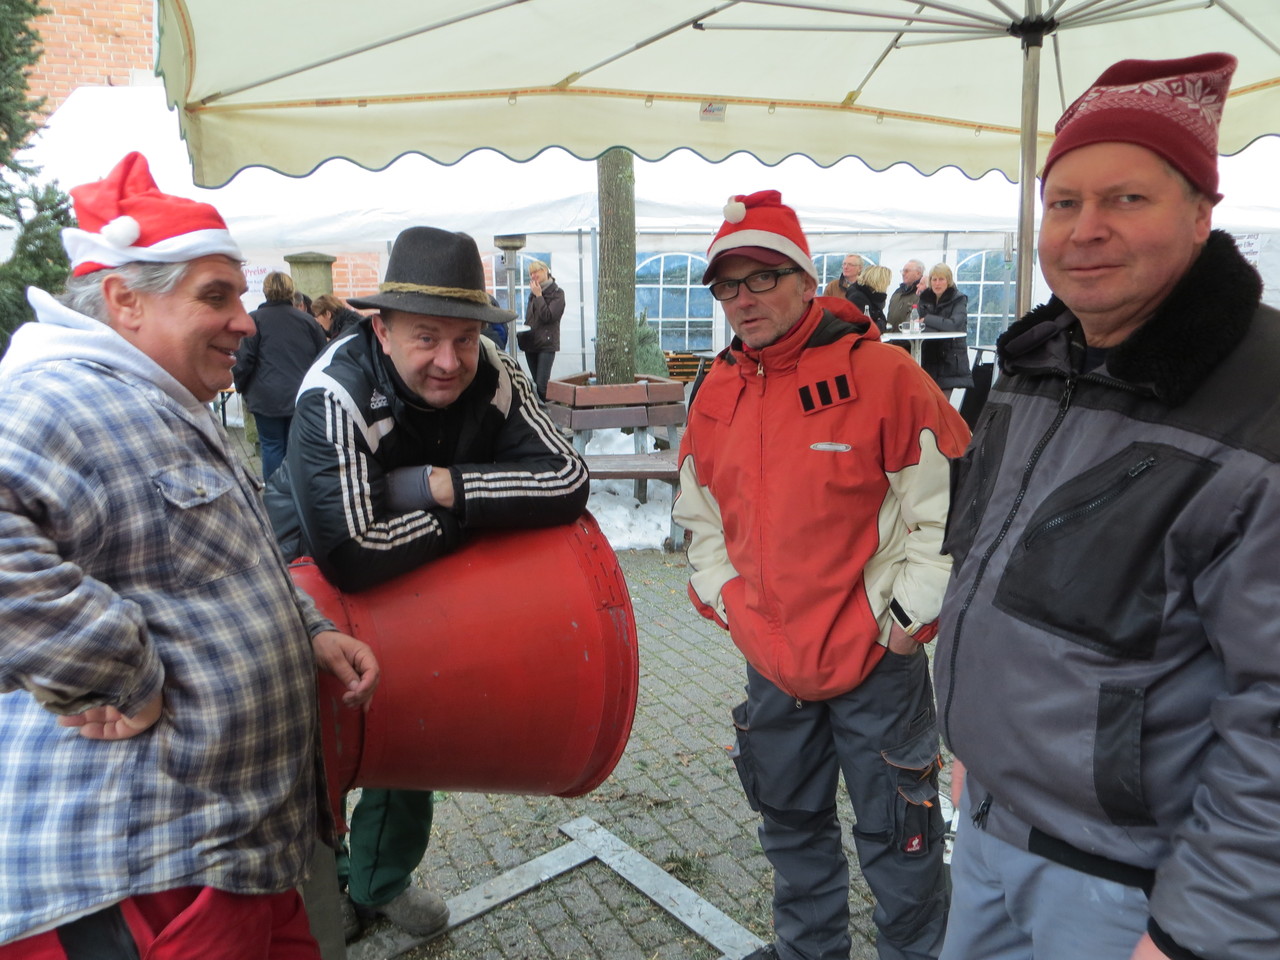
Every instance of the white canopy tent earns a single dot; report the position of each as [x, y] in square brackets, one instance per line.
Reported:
[344, 207]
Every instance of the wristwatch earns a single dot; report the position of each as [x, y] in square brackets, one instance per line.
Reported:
[909, 626]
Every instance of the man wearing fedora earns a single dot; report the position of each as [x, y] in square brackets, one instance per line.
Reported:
[408, 435]
[1107, 660]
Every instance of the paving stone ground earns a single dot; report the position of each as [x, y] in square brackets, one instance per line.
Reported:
[674, 796]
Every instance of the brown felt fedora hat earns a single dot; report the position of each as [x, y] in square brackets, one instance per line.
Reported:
[437, 273]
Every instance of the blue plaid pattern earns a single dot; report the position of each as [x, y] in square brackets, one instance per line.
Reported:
[135, 556]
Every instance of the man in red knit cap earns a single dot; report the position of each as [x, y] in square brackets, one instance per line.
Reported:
[1107, 661]
[813, 479]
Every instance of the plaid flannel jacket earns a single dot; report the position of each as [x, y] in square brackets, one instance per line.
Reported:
[135, 557]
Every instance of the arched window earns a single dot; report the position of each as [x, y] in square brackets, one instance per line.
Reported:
[989, 281]
[830, 265]
[670, 294]
[497, 269]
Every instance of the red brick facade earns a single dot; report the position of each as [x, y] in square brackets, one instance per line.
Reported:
[101, 43]
[91, 43]
[355, 274]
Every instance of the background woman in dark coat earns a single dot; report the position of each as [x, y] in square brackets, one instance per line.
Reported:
[943, 307]
[869, 293]
[271, 363]
[334, 316]
[543, 313]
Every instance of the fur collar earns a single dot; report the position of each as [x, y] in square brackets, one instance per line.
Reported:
[1202, 320]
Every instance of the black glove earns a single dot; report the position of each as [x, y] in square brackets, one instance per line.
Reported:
[409, 489]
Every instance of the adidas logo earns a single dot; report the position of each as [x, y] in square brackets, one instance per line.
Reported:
[378, 401]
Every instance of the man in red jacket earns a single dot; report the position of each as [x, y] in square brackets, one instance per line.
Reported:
[814, 481]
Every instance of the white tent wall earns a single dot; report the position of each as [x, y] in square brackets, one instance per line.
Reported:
[894, 215]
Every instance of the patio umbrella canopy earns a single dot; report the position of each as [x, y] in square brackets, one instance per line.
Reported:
[288, 85]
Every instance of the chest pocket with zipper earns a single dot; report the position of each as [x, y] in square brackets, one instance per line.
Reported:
[1090, 564]
[972, 479]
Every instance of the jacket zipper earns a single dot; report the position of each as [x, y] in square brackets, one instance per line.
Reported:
[1064, 404]
[760, 546]
[1077, 513]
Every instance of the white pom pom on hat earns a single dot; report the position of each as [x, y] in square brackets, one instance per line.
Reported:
[735, 211]
[121, 232]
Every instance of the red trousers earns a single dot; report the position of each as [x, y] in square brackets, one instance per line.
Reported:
[180, 925]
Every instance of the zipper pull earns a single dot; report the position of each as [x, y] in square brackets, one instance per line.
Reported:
[1141, 466]
[1066, 394]
[980, 815]
[759, 368]
[799, 705]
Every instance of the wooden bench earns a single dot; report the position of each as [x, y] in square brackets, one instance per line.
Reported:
[682, 366]
[641, 467]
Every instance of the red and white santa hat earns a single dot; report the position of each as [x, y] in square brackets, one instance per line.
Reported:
[124, 218]
[760, 226]
[1171, 107]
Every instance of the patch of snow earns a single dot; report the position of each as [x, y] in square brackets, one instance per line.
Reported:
[627, 523]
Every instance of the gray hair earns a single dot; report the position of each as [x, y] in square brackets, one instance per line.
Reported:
[919, 265]
[84, 294]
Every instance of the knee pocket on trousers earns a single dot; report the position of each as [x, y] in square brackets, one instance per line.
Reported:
[743, 759]
[917, 818]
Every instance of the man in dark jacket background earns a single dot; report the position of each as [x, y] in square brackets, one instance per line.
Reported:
[410, 433]
[907, 295]
[271, 363]
[1107, 661]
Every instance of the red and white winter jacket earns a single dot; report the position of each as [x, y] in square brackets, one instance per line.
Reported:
[814, 480]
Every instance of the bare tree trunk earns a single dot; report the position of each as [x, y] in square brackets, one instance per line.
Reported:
[615, 312]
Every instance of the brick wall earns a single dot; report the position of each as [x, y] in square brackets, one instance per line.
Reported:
[355, 274]
[99, 43]
[91, 43]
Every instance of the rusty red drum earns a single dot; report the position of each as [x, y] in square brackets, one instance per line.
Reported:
[509, 666]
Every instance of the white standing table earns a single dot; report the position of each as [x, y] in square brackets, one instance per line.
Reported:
[914, 340]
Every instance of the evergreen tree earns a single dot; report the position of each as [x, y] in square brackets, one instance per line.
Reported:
[38, 260]
[35, 212]
[19, 50]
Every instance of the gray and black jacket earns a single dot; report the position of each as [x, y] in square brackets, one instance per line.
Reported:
[355, 422]
[1108, 657]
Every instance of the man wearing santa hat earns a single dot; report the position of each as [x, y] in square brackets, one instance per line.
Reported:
[814, 481]
[158, 733]
[1107, 653]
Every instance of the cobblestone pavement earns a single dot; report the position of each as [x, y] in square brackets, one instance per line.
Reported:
[674, 797]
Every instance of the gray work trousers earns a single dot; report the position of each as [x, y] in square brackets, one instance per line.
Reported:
[883, 737]
[1015, 905]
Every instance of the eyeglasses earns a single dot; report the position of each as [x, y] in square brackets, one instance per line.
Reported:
[760, 282]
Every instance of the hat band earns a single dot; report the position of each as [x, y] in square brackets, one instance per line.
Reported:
[453, 293]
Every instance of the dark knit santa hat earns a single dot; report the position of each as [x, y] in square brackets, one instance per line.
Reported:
[124, 218]
[1171, 107]
[762, 227]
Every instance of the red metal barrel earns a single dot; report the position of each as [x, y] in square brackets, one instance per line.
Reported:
[509, 666]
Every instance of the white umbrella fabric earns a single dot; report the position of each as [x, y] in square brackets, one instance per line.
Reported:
[929, 83]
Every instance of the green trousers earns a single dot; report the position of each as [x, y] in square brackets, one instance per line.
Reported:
[388, 839]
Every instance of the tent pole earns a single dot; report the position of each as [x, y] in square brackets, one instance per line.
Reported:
[1031, 44]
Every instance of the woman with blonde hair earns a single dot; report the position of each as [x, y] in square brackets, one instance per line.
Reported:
[543, 312]
[869, 291]
[943, 307]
